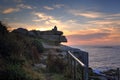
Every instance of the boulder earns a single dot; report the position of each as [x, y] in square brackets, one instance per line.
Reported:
[21, 31]
[40, 65]
[31, 33]
[63, 39]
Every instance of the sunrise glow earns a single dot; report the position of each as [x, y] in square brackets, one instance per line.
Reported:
[94, 22]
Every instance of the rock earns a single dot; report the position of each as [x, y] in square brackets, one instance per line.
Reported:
[32, 34]
[54, 38]
[51, 32]
[21, 31]
[52, 35]
[58, 33]
[40, 65]
[63, 39]
[97, 71]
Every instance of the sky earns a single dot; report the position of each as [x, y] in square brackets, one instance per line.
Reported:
[84, 22]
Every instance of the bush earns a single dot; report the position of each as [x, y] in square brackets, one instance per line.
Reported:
[10, 50]
[14, 72]
[7, 47]
[39, 45]
[55, 64]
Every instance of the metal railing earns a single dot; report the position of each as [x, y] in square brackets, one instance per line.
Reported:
[76, 69]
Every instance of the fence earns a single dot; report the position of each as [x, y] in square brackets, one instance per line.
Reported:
[76, 69]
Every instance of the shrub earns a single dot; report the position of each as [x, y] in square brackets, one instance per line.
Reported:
[8, 47]
[55, 64]
[14, 72]
[39, 45]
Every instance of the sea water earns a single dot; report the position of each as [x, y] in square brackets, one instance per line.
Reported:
[103, 57]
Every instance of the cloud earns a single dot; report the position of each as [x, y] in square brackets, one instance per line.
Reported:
[94, 14]
[109, 23]
[24, 6]
[43, 16]
[53, 7]
[19, 7]
[114, 15]
[48, 8]
[89, 36]
[88, 39]
[91, 30]
[58, 5]
[37, 20]
[10, 10]
[101, 22]
[46, 18]
[87, 14]
[98, 36]
[18, 1]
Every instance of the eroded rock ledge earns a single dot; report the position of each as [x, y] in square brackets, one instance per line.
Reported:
[51, 35]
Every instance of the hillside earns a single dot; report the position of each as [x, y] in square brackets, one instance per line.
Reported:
[35, 55]
[31, 55]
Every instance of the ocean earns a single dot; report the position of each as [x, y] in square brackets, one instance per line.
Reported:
[103, 57]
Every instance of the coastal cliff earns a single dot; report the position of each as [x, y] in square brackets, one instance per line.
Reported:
[51, 40]
[32, 55]
[51, 35]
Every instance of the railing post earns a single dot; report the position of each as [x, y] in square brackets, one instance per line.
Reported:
[71, 68]
[73, 60]
[118, 73]
[74, 70]
[84, 73]
[69, 65]
[85, 59]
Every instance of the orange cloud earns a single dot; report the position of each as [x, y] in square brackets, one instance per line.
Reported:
[93, 32]
[10, 10]
[102, 41]
[87, 14]
[105, 36]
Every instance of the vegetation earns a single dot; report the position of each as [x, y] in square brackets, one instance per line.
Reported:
[55, 64]
[38, 44]
[15, 54]
[59, 77]
[17, 58]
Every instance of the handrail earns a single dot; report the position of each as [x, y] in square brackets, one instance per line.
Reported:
[80, 62]
[77, 69]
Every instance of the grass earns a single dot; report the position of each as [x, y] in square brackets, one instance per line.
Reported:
[58, 77]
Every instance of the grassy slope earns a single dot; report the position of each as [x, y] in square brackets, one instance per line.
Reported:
[16, 57]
